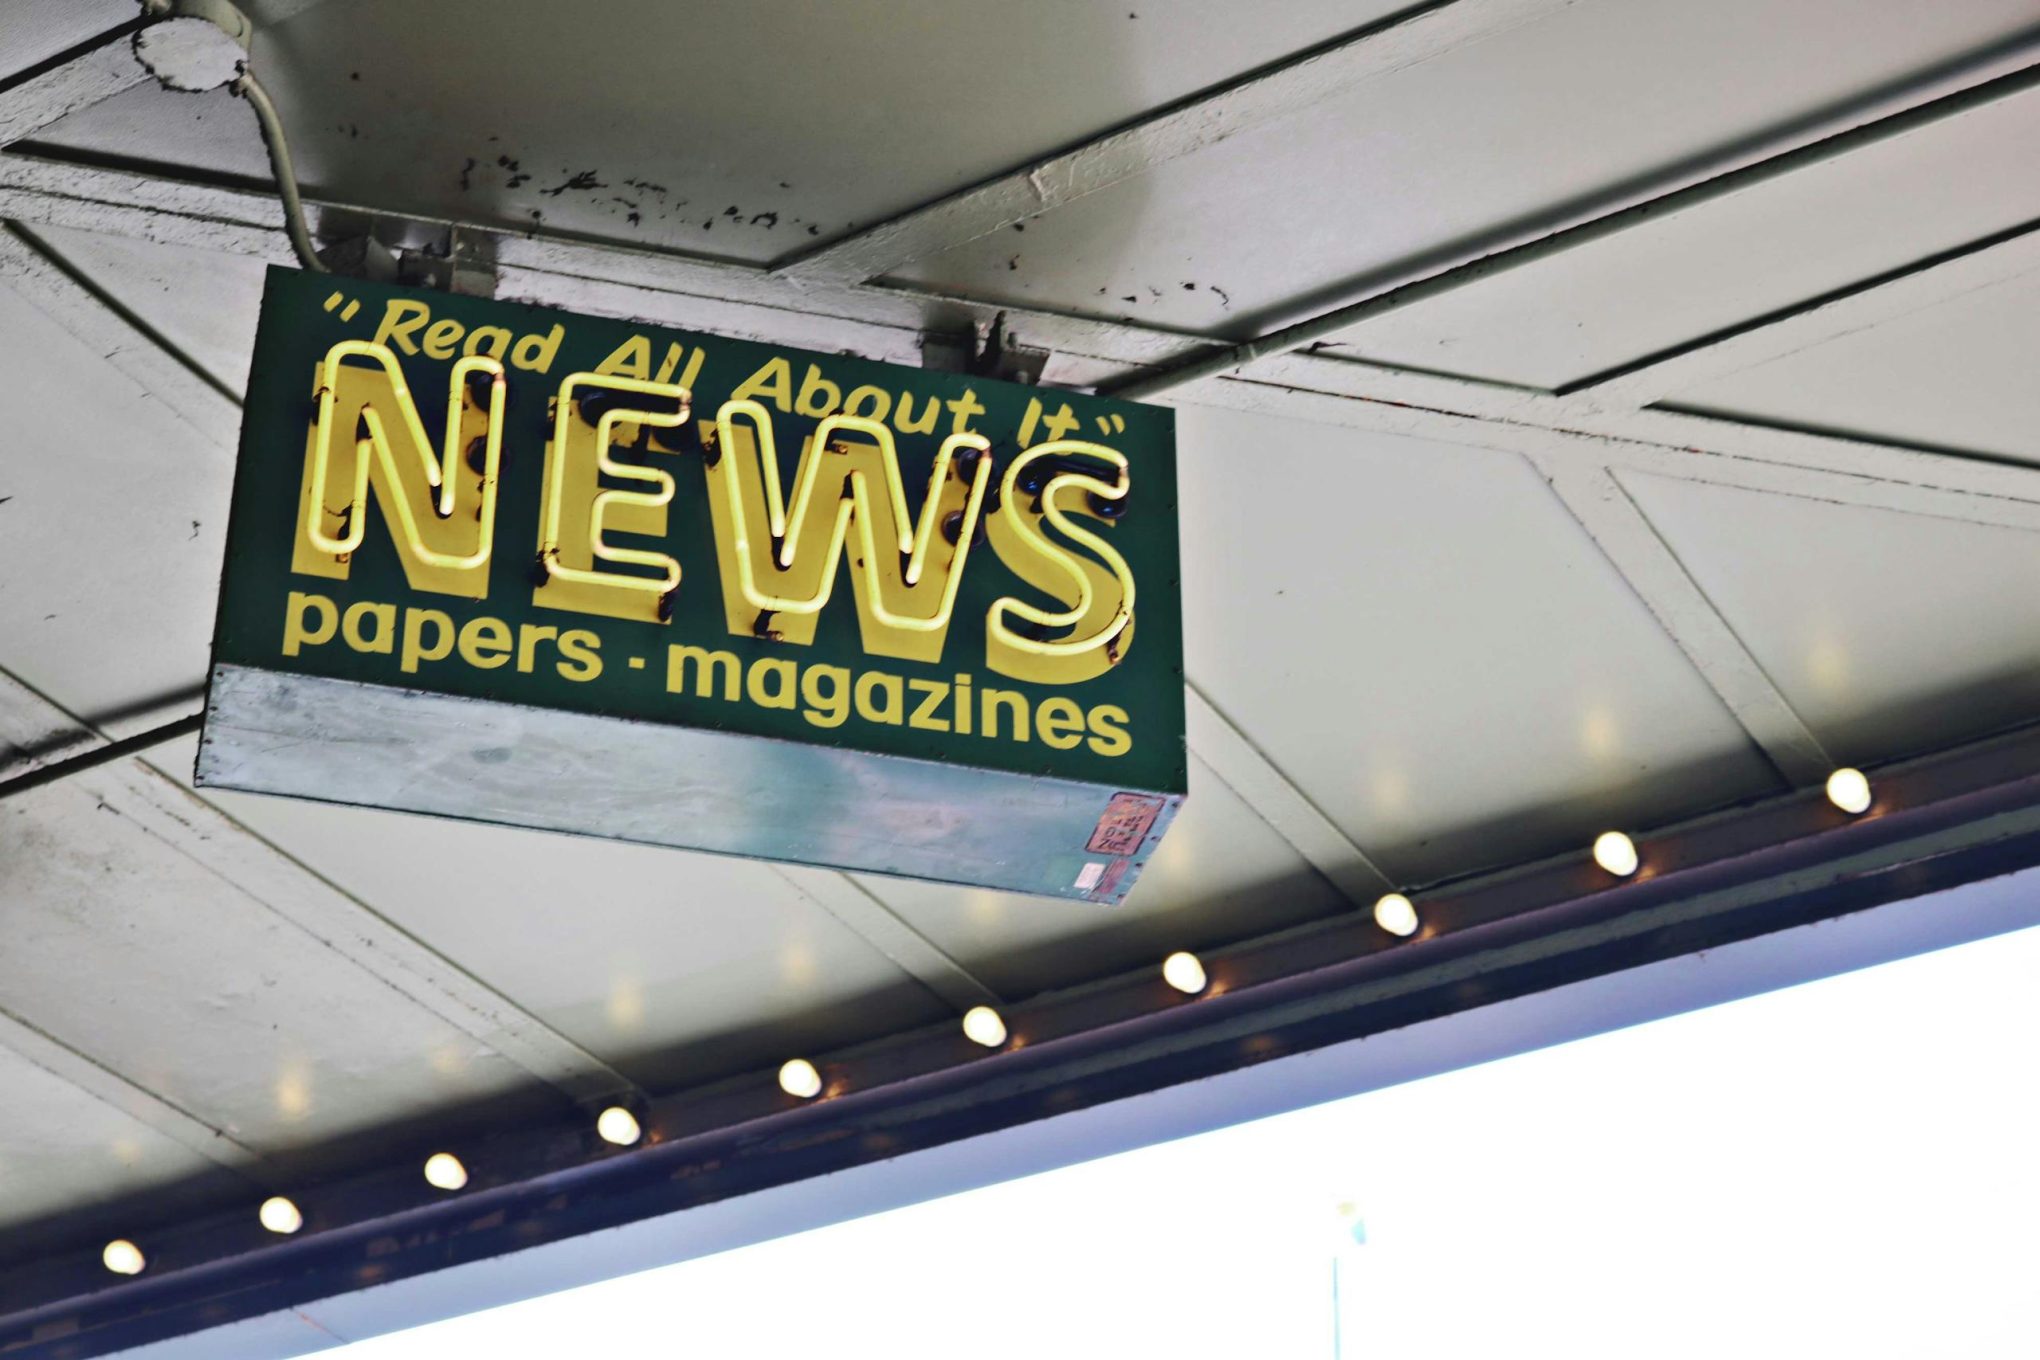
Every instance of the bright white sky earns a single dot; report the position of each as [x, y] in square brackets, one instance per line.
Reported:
[1846, 1168]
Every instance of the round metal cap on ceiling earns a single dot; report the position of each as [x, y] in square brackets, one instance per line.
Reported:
[201, 46]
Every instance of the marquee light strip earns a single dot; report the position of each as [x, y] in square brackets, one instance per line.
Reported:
[801, 1080]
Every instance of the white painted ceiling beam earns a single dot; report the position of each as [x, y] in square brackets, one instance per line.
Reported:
[1230, 755]
[1693, 447]
[1782, 462]
[161, 375]
[43, 192]
[1287, 88]
[104, 69]
[842, 897]
[1597, 500]
[885, 323]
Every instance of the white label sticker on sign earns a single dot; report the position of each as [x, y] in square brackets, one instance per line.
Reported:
[1088, 876]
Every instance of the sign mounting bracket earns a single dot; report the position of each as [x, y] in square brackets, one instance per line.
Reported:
[447, 259]
[995, 354]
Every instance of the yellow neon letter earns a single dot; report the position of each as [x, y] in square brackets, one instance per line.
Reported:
[1098, 589]
[779, 564]
[444, 544]
[570, 543]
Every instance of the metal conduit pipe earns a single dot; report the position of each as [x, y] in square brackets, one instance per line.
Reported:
[199, 45]
[250, 89]
[100, 755]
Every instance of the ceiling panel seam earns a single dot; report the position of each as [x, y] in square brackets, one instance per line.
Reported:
[36, 731]
[1281, 90]
[1596, 499]
[1377, 396]
[1994, 260]
[357, 933]
[159, 372]
[1232, 757]
[1830, 488]
[1979, 79]
[111, 1088]
[320, 909]
[53, 259]
[1696, 447]
[866, 915]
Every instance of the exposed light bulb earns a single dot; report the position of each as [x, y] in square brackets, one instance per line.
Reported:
[1396, 914]
[123, 1257]
[619, 1126]
[279, 1215]
[799, 1078]
[1849, 790]
[1184, 972]
[982, 1025]
[1616, 853]
[444, 1170]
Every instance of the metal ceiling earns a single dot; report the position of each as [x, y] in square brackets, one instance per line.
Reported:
[1591, 514]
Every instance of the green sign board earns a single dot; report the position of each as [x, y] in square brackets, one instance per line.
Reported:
[507, 563]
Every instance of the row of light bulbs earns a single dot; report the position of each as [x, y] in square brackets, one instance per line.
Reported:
[443, 1171]
[617, 1125]
[1614, 851]
[1848, 789]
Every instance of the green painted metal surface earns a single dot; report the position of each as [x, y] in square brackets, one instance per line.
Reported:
[1112, 744]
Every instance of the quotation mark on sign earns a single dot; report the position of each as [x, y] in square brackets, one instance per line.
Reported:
[1112, 424]
[347, 312]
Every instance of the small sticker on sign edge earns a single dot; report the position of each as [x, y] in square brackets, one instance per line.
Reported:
[1151, 808]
